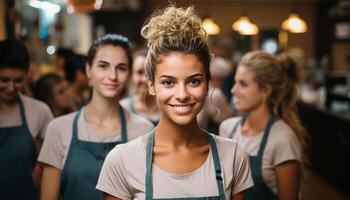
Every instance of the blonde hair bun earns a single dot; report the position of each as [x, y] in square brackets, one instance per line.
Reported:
[173, 24]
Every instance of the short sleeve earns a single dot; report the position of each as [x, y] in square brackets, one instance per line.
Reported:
[112, 179]
[52, 150]
[242, 173]
[226, 127]
[286, 148]
[47, 117]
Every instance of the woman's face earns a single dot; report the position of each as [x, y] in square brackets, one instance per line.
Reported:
[246, 92]
[109, 72]
[61, 96]
[138, 74]
[180, 87]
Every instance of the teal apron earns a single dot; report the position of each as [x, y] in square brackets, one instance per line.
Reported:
[260, 190]
[215, 154]
[18, 158]
[133, 109]
[84, 161]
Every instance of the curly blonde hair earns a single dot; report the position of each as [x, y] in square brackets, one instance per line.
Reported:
[174, 29]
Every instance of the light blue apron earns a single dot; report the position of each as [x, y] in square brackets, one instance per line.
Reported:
[84, 162]
[215, 154]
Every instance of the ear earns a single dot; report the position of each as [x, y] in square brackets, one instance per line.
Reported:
[267, 91]
[88, 70]
[150, 85]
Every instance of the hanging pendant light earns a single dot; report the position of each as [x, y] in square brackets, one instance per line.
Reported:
[294, 24]
[210, 26]
[245, 27]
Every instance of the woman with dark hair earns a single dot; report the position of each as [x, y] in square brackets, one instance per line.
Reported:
[77, 143]
[176, 160]
[23, 121]
[53, 90]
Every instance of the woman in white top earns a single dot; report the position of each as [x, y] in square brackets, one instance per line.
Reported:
[269, 131]
[141, 102]
[177, 160]
[77, 144]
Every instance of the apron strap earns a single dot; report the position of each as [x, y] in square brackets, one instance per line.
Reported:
[123, 124]
[149, 158]
[22, 112]
[244, 116]
[265, 137]
[75, 127]
[216, 158]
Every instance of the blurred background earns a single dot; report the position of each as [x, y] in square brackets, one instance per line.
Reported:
[315, 32]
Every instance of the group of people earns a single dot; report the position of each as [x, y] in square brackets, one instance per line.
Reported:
[150, 145]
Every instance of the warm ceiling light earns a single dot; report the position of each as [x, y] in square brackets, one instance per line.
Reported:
[210, 26]
[294, 24]
[245, 27]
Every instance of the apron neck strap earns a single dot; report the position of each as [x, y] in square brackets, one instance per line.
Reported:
[149, 159]
[122, 123]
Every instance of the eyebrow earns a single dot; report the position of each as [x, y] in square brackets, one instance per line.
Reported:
[105, 62]
[168, 76]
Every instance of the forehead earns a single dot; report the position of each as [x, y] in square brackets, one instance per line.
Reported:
[244, 72]
[12, 73]
[139, 62]
[111, 53]
[179, 65]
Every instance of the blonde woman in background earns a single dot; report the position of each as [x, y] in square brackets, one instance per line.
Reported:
[177, 160]
[141, 102]
[265, 91]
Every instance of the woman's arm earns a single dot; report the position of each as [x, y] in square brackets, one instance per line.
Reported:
[109, 197]
[50, 183]
[288, 180]
[239, 196]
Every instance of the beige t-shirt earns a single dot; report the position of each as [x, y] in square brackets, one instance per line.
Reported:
[123, 173]
[216, 107]
[59, 135]
[282, 145]
[38, 116]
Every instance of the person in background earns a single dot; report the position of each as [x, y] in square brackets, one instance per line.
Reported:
[216, 108]
[77, 144]
[265, 91]
[61, 57]
[176, 160]
[23, 121]
[53, 90]
[141, 103]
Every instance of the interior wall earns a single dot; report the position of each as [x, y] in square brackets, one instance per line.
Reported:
[2, 20]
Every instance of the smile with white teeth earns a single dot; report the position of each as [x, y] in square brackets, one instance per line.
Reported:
[182, 107]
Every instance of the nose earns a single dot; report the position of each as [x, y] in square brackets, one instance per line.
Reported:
[182, 93]
[11, 86]
[234, 89]
[113, 75]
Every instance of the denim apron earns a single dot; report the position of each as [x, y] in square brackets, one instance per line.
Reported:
[215, 154]
[18, 158]
[260, 190]
[84, 162]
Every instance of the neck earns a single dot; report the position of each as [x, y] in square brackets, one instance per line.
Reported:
[102, 108]
[257, 119]
[146, 101]
[177, 136]
[7, 106]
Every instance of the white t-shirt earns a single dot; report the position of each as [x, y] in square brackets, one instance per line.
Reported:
[38, 116]
[216, 107]
[123, 173]
[282, 145]
[126, 103]
[59, 135]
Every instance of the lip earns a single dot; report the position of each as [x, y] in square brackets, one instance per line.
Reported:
[110, 86]
[182, 109]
